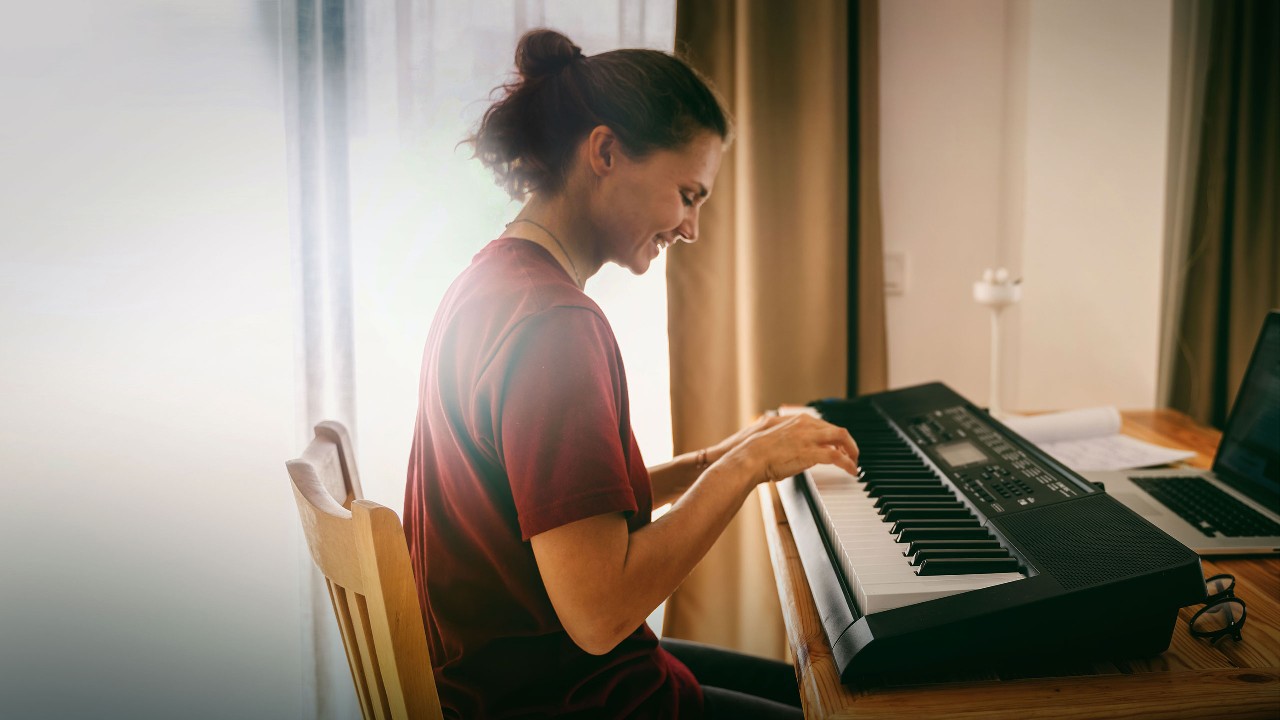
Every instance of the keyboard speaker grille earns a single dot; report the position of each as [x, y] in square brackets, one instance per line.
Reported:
[1090, 541]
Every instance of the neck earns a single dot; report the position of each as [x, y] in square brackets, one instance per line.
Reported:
[557, 223]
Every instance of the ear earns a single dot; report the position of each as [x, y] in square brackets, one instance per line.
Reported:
[603, 151]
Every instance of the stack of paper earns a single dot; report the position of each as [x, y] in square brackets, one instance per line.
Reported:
[1090, 439]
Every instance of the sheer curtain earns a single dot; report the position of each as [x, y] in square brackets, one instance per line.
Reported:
[389, 208]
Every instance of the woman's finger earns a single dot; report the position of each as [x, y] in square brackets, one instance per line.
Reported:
[835, 456]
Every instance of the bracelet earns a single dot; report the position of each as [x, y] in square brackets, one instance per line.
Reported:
[701, 463]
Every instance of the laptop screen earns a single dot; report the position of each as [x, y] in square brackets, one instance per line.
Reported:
[1249, 456]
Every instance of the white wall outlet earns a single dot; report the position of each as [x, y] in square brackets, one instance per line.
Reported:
[895, 273]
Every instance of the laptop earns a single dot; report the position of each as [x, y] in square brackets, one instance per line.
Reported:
[1233, 509]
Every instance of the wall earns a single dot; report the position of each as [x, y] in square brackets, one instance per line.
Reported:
[1097, 143]
[942, 112]
[151, 552]
[1030, 134]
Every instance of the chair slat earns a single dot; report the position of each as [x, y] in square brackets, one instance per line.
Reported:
[338, 596]
[369, 656]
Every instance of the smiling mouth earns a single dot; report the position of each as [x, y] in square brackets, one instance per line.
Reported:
[662, 244]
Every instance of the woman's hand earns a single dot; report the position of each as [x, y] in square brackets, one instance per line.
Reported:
[723, 447]
[778, 447]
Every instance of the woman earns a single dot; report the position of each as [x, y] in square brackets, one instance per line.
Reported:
[528, 504]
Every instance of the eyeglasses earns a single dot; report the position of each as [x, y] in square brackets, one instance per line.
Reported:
[1223, 613]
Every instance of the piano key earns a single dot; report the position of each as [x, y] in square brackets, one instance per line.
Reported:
[920, 473]
[967, 566]
[885, 508]
[912, 493]
[923, 555]
[873, 483]
[925, 523]
[920, 513]
[935, 488]
[899, 473]
[944, 533]
[889, 462]
[921, 545]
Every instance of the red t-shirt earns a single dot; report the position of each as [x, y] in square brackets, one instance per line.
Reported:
[523, 426]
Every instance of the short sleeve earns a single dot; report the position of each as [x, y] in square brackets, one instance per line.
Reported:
[557, 415]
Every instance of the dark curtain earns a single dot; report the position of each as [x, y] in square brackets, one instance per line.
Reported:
[1232, 264]
[868, 353]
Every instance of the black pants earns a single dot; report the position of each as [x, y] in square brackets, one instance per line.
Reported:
[739, 686]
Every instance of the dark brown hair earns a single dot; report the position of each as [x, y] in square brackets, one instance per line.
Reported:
[650, 99]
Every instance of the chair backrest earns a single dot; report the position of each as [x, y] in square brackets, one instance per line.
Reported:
[360, 549]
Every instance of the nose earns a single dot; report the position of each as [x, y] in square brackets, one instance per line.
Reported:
[687, 231]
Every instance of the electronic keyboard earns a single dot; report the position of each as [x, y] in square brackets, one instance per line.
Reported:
[961, 541]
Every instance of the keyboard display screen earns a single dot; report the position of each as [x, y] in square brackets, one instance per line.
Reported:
[959, 454]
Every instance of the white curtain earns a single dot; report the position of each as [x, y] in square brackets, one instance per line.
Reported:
[388, 208]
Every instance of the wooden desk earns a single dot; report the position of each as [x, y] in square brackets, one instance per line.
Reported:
[1191, 679]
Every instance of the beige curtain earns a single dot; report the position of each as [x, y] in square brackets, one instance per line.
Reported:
[1230, 268]
[758, 308]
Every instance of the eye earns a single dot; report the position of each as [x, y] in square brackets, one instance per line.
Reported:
[688, 201]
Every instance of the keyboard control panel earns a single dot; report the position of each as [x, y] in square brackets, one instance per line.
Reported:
[980, 461]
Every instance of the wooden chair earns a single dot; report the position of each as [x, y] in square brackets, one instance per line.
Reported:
[360, 548]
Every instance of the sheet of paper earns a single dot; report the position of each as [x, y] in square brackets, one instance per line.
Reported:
[1090, 439]
[1067, 425]
[1113, 452]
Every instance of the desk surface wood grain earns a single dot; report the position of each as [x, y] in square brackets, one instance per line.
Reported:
[1191, 679]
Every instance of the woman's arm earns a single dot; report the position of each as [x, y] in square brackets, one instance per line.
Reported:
[672, 478]
[604, 581]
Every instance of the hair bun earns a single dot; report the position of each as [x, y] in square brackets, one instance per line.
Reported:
[544, 52]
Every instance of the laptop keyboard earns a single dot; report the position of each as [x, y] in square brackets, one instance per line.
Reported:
[1209, 509]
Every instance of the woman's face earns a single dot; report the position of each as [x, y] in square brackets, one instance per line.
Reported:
[649, 203]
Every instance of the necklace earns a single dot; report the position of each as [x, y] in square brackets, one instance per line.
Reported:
[566, 254]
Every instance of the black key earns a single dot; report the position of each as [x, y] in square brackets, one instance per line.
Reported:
[920, 513]
[967, 566]
[901, 525]
[923, 555]
[915, 477]
[873, 481]
[896, 500]
[887, 487]
[919, 546]
[916, 504]
[906, 474]
[913, 534]
[935, 488]
[885, 471]
[892, 461]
